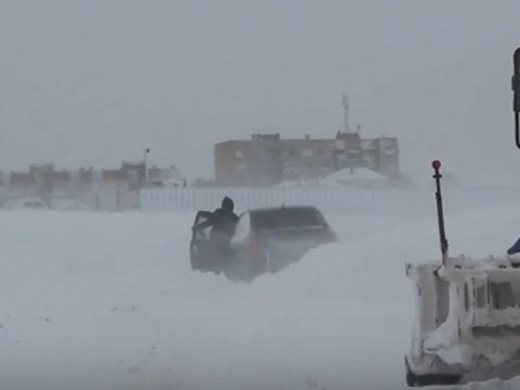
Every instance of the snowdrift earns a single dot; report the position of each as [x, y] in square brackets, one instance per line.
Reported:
[108, 301]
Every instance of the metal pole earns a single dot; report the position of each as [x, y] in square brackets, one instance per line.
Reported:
[345, 108]
[146, 151]
[517, 130]
[440, 212]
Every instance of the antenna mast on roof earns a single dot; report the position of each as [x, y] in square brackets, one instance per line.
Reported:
[344, 103]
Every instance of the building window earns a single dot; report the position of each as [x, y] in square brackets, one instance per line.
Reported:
[239, 153]
[308, 153]
[339, 144]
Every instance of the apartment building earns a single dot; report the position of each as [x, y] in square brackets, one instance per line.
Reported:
[268, 159]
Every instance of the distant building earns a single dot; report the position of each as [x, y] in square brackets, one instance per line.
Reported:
[84, 188]
[45, 181]
[267, 159]
[23, 182]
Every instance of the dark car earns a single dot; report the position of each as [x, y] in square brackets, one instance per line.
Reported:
[265, 240]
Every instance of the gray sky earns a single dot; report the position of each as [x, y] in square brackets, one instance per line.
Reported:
[94, 82]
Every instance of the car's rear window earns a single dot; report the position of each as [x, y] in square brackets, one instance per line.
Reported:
[287, 218]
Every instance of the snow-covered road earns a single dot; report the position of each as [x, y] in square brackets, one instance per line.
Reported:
[108, 301]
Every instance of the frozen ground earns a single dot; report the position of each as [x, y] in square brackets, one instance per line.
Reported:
[107, 301]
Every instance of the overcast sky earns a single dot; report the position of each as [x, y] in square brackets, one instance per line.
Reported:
[95, 82]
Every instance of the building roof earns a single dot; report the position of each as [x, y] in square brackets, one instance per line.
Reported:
[234, 142]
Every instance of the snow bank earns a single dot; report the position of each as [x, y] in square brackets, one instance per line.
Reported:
[109, 301]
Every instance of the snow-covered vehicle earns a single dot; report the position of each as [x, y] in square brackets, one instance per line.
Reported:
[467, 322]
[467, 326]
[265, 240]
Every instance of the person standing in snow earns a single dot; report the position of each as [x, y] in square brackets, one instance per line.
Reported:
[223, 222]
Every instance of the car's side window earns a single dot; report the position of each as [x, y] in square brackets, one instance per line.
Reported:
[243, 229]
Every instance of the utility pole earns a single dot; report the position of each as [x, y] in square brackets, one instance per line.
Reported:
[344, 103]
[146, 152]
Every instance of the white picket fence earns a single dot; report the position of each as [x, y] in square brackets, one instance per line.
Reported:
[342, 200]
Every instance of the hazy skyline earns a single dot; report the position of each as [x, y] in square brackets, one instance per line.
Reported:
[94, 83]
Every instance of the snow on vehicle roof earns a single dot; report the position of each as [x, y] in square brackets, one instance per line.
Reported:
[279, 208]
[285, 217]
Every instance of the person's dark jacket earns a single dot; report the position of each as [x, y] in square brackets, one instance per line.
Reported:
[223, 221]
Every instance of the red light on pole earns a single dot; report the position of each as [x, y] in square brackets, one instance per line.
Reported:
[436, 164]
